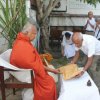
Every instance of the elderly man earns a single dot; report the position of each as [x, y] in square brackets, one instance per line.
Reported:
[24, 55]
[89, 26]
[90, 46]
[68, 48]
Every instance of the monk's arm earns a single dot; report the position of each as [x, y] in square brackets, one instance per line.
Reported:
[51, 70]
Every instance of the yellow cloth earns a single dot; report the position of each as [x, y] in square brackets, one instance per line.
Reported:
[69, 71]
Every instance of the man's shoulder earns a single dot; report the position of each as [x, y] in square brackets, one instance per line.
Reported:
[88, 37]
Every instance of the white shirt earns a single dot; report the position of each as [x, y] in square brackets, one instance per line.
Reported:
[69, 47]
[90, 45]
[97, 33]
[92, 21]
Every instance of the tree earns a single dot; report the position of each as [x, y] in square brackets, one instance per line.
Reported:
[43, 13]
[12, 18]
[91, 2]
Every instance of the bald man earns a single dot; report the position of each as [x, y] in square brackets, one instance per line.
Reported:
[90, 46]
[90, 24]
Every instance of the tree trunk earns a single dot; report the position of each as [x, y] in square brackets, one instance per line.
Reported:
[42, 17]
[45, 39]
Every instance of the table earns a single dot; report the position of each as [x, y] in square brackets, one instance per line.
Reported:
[77, 89]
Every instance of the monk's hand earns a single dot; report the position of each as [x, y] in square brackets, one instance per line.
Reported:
[80, 74]
[56, 71]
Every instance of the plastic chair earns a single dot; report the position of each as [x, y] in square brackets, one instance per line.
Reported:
[6, 69]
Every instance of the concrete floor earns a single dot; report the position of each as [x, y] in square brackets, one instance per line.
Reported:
[10, 96]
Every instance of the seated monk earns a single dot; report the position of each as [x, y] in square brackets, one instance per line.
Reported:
[24, 55]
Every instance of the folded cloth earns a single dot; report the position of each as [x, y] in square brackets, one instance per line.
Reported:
[69, 71]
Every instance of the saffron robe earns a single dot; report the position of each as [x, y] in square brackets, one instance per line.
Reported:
[24, 55]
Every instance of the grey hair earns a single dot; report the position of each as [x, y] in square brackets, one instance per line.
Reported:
[29, 24]
[33, 22]
[27, 27]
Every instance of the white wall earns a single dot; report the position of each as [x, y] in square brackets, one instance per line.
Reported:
[67, 21]
[74, 7]
[77, 7]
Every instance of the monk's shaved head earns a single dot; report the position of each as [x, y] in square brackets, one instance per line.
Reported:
[77, 39]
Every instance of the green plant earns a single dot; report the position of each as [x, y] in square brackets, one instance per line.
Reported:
[12, 18]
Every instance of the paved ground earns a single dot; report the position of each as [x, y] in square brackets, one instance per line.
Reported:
[57, 62]
[96, 78]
